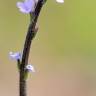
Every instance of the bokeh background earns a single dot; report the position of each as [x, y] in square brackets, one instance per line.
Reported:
[63, 51]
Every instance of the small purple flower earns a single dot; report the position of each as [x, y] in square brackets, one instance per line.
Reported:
[30, 68]
[15, 56]
[27, 6]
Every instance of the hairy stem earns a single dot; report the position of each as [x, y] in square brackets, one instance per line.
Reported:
[29, 37]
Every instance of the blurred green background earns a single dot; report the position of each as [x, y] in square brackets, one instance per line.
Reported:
[63, 51]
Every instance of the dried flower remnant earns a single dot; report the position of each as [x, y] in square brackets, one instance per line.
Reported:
[30, 68]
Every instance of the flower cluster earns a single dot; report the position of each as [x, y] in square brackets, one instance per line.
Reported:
[29, 6]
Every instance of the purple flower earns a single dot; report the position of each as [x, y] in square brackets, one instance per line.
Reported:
[27, 6]
[15, 56]
[30, 68]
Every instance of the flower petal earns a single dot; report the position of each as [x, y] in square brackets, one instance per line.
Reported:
[15, 56]
[30, 4]
[60, 1]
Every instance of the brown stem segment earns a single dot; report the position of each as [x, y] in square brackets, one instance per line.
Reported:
[29, 37]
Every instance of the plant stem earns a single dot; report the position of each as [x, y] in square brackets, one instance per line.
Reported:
[29, 37]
